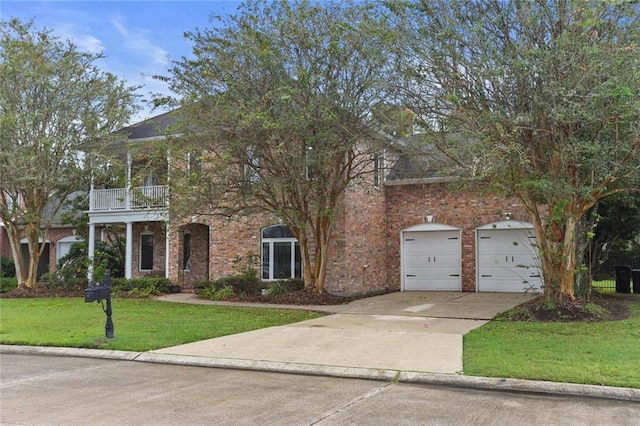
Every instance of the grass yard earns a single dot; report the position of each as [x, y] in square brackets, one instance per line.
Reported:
[599, 353]
[140, 324]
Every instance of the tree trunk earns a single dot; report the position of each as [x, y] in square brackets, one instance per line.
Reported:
[16, 250]
[568, 267]
[35, 250]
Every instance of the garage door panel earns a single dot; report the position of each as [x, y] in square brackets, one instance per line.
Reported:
[507, 260]
[431, 260]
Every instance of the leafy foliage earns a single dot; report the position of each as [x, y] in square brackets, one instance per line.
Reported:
[539, 99]
[53, 100]
[72, 267]
[277, 107]
[8, 267]
[148, 286]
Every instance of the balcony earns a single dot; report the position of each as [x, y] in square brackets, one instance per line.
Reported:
[122, 199]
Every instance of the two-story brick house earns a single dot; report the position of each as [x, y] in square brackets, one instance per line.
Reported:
[401, 232]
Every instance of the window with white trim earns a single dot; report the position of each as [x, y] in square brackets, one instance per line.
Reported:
[280, 254]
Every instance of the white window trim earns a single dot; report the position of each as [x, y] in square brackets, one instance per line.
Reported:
[291, 240]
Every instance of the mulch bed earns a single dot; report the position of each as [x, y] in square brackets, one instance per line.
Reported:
[300, 297]
[614, 305]
[614, 308]
[41, 291]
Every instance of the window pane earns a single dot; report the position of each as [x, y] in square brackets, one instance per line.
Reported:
[298, 265]
[265, 261]
[282, 260]
[146, 252]
[186, 253]
[276, 232]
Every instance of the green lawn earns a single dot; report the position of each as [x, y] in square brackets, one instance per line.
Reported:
[602, 353]
[140, 324]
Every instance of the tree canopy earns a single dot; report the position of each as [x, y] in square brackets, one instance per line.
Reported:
[279, 105]
[53, 98]
[545, 96]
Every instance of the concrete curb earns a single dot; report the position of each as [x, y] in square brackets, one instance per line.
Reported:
[452, 380]
[61, 351]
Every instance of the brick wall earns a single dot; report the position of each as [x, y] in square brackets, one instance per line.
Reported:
[408, 205]
[53, 236]
[358, 260]
[159, 245]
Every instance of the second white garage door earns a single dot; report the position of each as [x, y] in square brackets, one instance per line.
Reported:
[431, 258]
[507, 258]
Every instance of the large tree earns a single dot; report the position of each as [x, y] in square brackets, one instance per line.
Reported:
[280, 103]
[53, 98]
[543, 98]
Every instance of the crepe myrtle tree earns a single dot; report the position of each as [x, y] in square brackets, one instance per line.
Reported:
[277, 108]
[541, 99]
[53, 98]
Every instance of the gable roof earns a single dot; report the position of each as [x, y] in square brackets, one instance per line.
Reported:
[154, 127]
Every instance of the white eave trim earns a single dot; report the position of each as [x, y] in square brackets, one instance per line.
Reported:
[507, 224]
[431, 227]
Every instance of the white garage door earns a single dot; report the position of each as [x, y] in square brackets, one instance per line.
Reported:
[431, 259]
[507, 258]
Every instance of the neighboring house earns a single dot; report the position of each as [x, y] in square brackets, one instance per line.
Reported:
[408, 231]
[60, 237]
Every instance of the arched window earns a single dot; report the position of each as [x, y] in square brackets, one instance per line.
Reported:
[280, 254]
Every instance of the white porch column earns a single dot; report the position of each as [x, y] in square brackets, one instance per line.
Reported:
[92, 250]
[127, 194]
[166, 251]
[128, 267]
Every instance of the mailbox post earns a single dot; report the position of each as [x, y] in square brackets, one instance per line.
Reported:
[102, 293]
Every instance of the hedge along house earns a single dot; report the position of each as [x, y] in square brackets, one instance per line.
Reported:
[400, 228]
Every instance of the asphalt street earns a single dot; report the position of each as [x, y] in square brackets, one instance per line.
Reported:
[55, 390]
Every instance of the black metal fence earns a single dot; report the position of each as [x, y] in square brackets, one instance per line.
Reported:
[604, 277]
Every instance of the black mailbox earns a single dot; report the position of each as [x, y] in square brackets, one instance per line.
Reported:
[93, 294]
[102, 293]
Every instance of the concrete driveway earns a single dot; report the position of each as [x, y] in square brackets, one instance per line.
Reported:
[402, 331]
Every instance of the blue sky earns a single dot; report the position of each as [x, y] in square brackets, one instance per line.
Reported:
[138, 37]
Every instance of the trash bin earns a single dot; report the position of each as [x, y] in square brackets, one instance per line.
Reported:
[635, 273]
[623, 279]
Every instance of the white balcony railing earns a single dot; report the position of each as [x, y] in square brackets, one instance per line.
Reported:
[122, 199]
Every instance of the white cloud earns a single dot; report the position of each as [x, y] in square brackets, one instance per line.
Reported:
[84, 41]
[137, 41]
[88, 43]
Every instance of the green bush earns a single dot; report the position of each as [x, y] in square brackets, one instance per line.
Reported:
[241, 284]
[285, 286]
[7, 267]
[59, 279]
[147, 286]
[8, 284]
[214, 293]
[74, 264]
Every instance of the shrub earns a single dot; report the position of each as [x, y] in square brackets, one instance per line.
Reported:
[8, 284]
[147, 286]
[214, 293]
[7, 267]
[63, 280]
[74, 264]
[285, 286]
